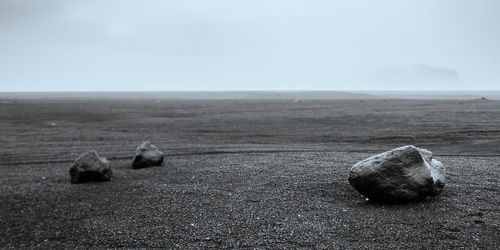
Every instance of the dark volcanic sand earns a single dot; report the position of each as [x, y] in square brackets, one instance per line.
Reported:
[265, 174]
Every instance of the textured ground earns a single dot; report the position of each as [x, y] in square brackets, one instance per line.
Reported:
[247, 173]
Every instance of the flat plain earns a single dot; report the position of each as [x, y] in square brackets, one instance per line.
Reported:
[243, 173]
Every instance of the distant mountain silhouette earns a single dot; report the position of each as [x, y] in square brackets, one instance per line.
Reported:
[423, 75]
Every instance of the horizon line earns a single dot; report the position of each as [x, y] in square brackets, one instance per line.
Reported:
[249, 90]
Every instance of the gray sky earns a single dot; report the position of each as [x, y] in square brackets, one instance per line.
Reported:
[122, 45]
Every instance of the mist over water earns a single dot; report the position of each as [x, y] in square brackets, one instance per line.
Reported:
[195, 45]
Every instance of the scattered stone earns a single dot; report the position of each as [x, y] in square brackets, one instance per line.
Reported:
[90, 167]
[403, 174]
[147, 155]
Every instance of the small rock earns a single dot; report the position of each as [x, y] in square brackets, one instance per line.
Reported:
[90, 167]
[403, 174]
[147, 155]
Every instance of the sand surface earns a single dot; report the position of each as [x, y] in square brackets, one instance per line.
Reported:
[243, 173]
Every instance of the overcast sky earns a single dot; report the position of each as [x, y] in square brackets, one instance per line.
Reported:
[124, 45]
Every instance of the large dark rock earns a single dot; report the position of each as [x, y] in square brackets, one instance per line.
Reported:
[147, 155]
[403, 174]
[90, 167]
